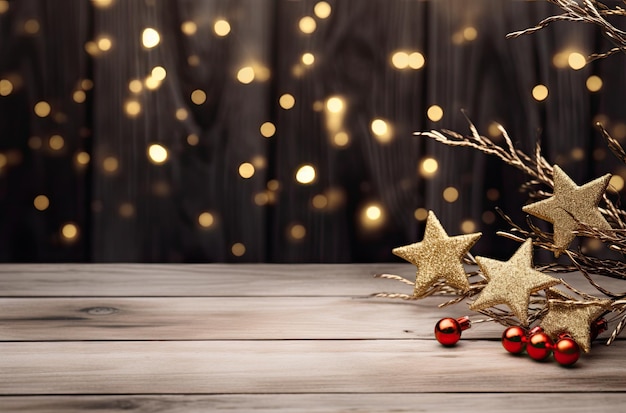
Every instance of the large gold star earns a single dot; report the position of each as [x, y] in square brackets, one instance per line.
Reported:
[512, 282]
[574, 319]
[438, 256]
[569, 204]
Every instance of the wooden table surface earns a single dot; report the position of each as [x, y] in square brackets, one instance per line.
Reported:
[265, 338]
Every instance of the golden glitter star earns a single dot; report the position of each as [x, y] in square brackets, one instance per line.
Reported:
[512, 282]
[574, 319]
[438, 256]
[569, 204]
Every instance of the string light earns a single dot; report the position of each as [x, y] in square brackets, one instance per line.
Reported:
[245, 75]
[468, 226]
[246, 170]
[416, 60]
[56, 142]
[181, 114]
[319, 201]
[428, 167]
[372, 216]
[341, 139]
[335, 104]
[273, 185]
[86, 84]
[400, 60]
[322, 10]
[287, 101]
[206, 219]
[576, 60]
[381, 130]
[150, 38]
[470, 33]
[31, 26]
[79, 96]
[308, 58]
[157, 154]
[540, 93]
[104, 43]
[221, 27]
[616, 183]
[159, 73]
[307, 25]
[267, 129]
[594, 83]
[305, 174]
[435, 113]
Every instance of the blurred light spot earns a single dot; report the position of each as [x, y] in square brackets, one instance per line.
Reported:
[34, 142]
[616, 183]
[468, 226]
[341, 139]
[181, 114]
[4, 6]
[593, 244]
[428, 167]
[102, 4]
[31, 26]
[273, 185]
[450, 194]
[92, 48]
[287, 101]
[335, 104]
[373, 212]
[104, 44]
[381, 130]
[198, 96]
[193, 60]
[319, 201]
[259, 162]
[245, 75]
[126, 210]
[132, 108]
[159, 73]
[318, 106]
[560, 59]
[135, 86]
[3, 160]
[56, 142]
[60, 117]
[577, 154]
[540, 92]
[221, 27]
[322, 9]
[372, 216]
[41, 202]
[494, 130]
[488, 217]
[493, 194]
[193, 139]
[79, 96]
[206, 219]
[619, 131]
[189, 28]
[246, 170]
[416, 60]
[435, 113]
[594, 83]
[307, 25]
[308, 59]
[110, 164]
[576, 60]
[161, 188]
[69, 232]
[400, 60]
[152, 83]
[296, 232]
[42, 109]
[86, 84]
[261, 198]
[238, 249]
[305, 174]
[470, 33]
[420, 214]
[150, 38]
[157, 153]
[602, 119]
[82, 158]
[267, 129]
[6, 87]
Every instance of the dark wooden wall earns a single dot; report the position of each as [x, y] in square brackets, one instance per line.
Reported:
[145, 212]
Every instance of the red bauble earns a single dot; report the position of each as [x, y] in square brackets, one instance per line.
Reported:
[514, 339]
[566, 351]
[539, 346]
[448, 330]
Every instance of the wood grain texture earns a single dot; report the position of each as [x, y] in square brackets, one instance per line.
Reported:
[319, 403]
[309, 366]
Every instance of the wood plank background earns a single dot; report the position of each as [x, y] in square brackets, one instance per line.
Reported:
[287, 338]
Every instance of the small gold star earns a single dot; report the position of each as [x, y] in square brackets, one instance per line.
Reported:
[569, 204]
[438, 256]
[574, 319]
[512, 282]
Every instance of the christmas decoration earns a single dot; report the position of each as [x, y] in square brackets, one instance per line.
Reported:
[566, 351]
[514, 339]
[539, 346]
[448, 330]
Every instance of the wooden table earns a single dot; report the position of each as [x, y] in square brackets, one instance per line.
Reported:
[286, 338]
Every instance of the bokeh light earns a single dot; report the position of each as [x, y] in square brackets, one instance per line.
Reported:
[69, 232]
[42, 109]
[246, 170]
[372, 216]
[616, 183]
[221, 27]
[206, 219]
[307, 25]
[322, 10]
[6, 87]
[540, 93]
[238, 249]
[420, 214]
[267, 129]
[150, 38]
[576, 60]
[450, 194]
[287, 101]
[41, 202]
[435, 113]
[198, 96]
[428, 167]
[305, 174]
[245, 75]
[189, 28]
[296, 232]
[594, 83]
[157, 154]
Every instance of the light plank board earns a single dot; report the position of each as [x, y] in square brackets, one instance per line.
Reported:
[321, 403]
[221, 318]
[310, 366]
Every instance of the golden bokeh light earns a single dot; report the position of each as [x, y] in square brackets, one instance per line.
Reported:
[181, 114]
[159, 73]
[372, 216]
[245, 75]
[616, 183]
[126, 210]
[576, 60]
[468, 226]
[157, 154]
[594, 83]
[335, 104]
[42, 109]
[4, 6]
[540, 93]
[206, 219]
[559, 60]
[221, 27]
[246, 170]
[104, 43]
[341, 139]
[41, 202]
[400, 60]
[450, 194]
[267, 129]
[193, 60]
[618, 131]
[3, 160]
[189, 28]
[238, 249]
[92, 48]
[79, 96]
[420, 214]
[493, 194]
[110, 164]
[198, 96]
[470, 33]
[135, 85]
[102, 4]
[132, 108]
[435, 113]
[307, 25]
[493, 130]
[261, 198]
[82, 158]
[322, 10]
[287, 101]
[31, 26]
[306, 174]
[577, 154]
[308, 58]
[319, 201]
[416, 60]
[86, 84]
[379, 127]
[150, 38]
[6, 87]
[56, 142]
[273, 185]
[152, 83]
[69, 232]
[428, 167]
[296, 232]
[193, 139]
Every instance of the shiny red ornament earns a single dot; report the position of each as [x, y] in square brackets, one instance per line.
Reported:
[448, 330]
[514, 339]
[566, 351]
[539, 344]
